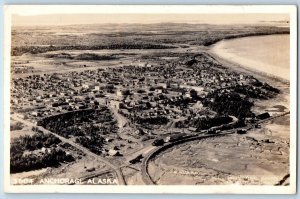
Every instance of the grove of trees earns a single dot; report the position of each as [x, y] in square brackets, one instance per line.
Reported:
[229, 104]
[87, 126]
[52, 156]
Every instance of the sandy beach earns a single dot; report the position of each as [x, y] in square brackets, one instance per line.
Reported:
[254, 53]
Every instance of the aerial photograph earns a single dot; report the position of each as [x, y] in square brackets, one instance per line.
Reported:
[150, 99]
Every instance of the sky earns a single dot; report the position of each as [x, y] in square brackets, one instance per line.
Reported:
[70, 19]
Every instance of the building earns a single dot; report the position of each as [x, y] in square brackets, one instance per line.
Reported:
[241, 131]
[113, 152]
[175, 137]
[35, 113]
[119, 93]
[136, 159]
[263, 116]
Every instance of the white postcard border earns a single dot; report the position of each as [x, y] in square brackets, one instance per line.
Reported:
[184, 189]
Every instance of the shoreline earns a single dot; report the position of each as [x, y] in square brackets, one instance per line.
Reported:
[237, 61]
[268, 65]
[260, 75]
[250, 35]
[230, 37]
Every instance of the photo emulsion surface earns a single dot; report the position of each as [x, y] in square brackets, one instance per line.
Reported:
[150, 99]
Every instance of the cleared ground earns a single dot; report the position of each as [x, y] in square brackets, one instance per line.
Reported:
[258, 157]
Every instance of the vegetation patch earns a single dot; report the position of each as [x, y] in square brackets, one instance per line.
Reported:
[35, 152]
[88, 127]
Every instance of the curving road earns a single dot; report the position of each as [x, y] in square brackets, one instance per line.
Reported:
[145, 174]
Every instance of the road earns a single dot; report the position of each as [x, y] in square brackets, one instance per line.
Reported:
[81, 148]
[145, 150]
[145, 174]
[122, 121]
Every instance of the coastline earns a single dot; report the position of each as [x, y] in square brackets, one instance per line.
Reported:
[212, 43]
[220, 52]
[262, 76]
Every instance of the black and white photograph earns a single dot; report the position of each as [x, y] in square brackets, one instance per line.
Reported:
[199, 98]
